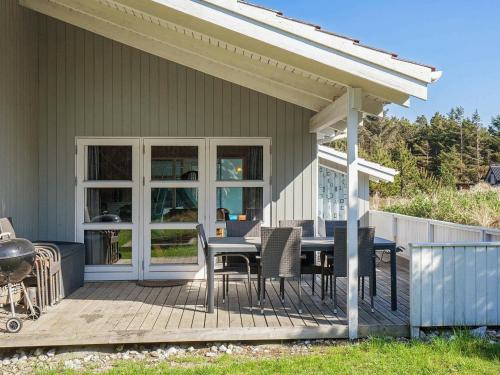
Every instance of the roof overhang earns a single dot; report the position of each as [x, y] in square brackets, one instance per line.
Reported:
[337, 160]
[253, 47]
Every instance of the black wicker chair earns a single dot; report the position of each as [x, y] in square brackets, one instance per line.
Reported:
[244, 228]
[280, 258]
[337, 263]
[227, 269]
[331, 225]
[310, 265]
[247, 228]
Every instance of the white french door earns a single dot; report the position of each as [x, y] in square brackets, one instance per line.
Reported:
[138, 201]
[108, 206]
[174, 203]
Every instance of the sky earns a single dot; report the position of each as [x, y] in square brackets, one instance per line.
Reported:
[459, 37]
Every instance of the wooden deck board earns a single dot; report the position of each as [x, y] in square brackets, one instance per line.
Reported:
[247, 319]
[178, 308]
[199, 315]
[278, 306]
[166, 310]
[295, 318]
[152, 316]
[123, 312]
[190, 307]
[234, 306]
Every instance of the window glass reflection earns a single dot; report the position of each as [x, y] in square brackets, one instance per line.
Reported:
[109, 163]
[108, 205]
[174, 205]
[174, 163]
[239, 163]
[179, 246]
[107, 247]
[237, 203]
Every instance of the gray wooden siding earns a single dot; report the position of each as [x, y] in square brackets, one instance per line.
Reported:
[455, 284]
[92, 86]
[19, 117]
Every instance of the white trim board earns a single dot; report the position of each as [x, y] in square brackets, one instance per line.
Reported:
[337, 160]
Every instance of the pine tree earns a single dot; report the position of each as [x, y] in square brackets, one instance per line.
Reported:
[450, 167]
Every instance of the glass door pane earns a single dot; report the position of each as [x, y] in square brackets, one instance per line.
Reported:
[173, 205]
[108, 163]
[239, 182]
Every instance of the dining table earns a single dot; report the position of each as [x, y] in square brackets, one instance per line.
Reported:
[252, 245]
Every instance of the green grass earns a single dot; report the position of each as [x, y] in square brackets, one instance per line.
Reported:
[464, 355]
[175, 251]
[478, 206]
[170, 235]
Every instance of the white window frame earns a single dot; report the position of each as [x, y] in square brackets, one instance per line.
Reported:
[265, 183]
[159, 271]
[116, 271]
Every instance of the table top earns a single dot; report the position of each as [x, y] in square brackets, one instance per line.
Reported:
[252, 244]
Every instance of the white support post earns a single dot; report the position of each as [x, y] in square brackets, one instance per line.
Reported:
[354, 119]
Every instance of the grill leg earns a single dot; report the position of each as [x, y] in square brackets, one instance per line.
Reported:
[11, 300]
[28, 302]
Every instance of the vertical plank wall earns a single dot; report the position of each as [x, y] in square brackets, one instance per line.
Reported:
[455, 284]
[19, 117]
[92, 86]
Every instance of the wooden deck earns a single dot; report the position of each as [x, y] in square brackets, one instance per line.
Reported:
[123, 312]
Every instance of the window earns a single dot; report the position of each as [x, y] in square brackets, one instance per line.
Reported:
[239, 163]
[241, 181]
[176, 246]
[174, 163]
[107, 163]
[107, 247]
[106, 205]
[239, 203]
[174, 205]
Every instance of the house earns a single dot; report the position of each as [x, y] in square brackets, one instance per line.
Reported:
[493, 175]
[140, 119]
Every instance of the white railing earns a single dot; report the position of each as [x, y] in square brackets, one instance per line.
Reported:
[454, 284]
[405, 229]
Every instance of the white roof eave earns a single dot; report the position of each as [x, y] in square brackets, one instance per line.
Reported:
[360, 63]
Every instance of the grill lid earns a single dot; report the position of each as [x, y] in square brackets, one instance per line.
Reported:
[16, 247]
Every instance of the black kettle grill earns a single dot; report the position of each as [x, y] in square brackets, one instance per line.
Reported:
[17, 257]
